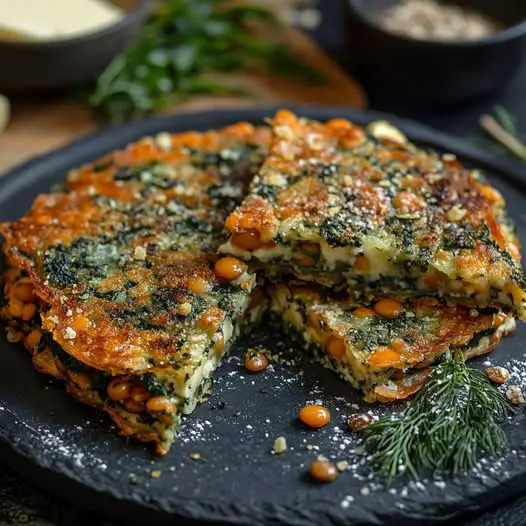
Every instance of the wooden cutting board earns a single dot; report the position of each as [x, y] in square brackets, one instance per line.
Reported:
[38, 125]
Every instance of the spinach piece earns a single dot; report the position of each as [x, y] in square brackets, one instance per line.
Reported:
[153, 385]
[58, 266]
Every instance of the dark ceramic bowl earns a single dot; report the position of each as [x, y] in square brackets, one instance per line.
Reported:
[57, 64]
[432, 72]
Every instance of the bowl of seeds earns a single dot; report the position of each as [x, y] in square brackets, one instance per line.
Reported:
[436, 52]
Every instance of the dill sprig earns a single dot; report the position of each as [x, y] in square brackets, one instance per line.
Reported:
[449, 425]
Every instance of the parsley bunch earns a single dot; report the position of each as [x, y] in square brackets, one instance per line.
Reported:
[181, 43]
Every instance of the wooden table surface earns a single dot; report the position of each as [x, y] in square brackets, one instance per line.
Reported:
[38, 125]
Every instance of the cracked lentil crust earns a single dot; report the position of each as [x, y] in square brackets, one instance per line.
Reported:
[120, 269]
[338, 204]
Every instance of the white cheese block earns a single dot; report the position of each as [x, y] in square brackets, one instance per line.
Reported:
[54, 19]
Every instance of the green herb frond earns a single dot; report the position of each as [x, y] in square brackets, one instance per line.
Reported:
[506, 119]
[183, 42]
[449, 425]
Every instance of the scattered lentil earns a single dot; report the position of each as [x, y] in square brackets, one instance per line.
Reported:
[323, 471]
[358, 420]
[315, 416]
[498, 375]
[255, 361]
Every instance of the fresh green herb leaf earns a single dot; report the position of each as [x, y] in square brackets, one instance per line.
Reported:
[153, 385]
[506, 119]
[450, 424]
[181, 44]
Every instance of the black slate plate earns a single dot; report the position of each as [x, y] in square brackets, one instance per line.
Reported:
[75, 452]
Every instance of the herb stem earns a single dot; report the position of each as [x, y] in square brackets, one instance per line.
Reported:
[503, 136]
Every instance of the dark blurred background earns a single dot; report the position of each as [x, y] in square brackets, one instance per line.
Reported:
[460, 119]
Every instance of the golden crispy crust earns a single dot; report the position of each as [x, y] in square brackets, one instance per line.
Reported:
[358, 193]
[132, 240]
[79, 380]
[114, 275]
